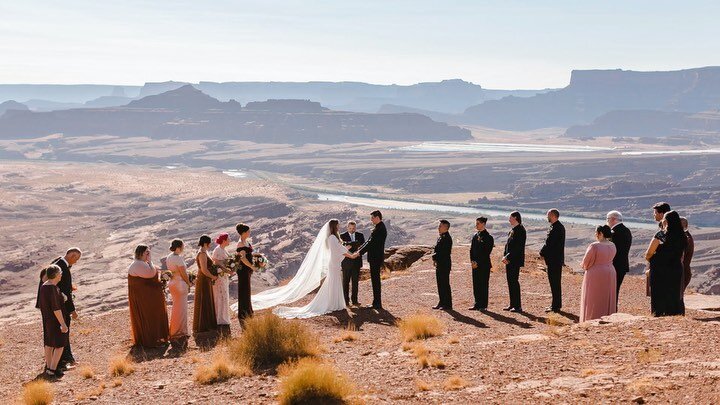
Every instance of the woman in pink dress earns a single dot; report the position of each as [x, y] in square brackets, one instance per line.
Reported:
[599, 283]
[179, 287]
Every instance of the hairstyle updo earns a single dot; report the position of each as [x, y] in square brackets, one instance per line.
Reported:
[204, 240]
[241, 228]
[176, 244]
[140, 251]
[222, 238]
[605, 231]
[52, 271]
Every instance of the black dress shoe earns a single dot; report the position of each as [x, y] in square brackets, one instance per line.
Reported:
[510, 308]
[482, 309]
[518, 310]
[551, 309]
[474, 308]
[438, 306]
[446, 308]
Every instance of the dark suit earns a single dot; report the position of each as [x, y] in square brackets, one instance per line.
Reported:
[515, 254]
[480, 248]
[375, 249]
[351, 267]
[553, 251]
[443, 264]
[622, 238]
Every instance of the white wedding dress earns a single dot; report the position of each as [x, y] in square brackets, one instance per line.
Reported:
[322, 260]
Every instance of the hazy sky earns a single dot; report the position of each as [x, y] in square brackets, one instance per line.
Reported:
[497, 44]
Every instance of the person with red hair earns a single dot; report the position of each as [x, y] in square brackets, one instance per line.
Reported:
[221, 288]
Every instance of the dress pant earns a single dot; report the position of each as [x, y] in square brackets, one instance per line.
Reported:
[554, 273]
[442, 277]
[481, 284]
[513, 280]
[67, 355]
[375, 268]
[351, 274]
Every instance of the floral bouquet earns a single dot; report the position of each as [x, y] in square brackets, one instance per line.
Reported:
[192, 275]
[260, 261]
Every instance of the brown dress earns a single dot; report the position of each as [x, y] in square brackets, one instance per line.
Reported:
[50, 300]
[245, 309]
[204, 317]
[148, 313]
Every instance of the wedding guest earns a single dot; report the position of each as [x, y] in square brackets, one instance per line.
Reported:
[221, 288]
[244, 272]
[66, 286]
[622, 239]
[443, 263]
[666, 268]
[55, 329]
[148, 313]
[351, 267]
[514, 259]
[179, 287]
[688, 254]
[553, 251]
[480, 248]
[204, 317]
[375, 249]
[599, 285]
[659, 211]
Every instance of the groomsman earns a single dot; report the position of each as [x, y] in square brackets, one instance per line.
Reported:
[443, 263]
[659, 211]
[514, 259]
[65, 285]
[351, 267]
[553, 251]
[622, 238]
[375, 249]
[480, 248]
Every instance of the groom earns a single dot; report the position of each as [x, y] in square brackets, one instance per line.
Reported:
[375, 249]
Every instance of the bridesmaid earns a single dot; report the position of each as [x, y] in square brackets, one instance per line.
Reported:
[221, 288]
[148, 313]
[204, 318]
[244, 271]
[665, 255]
[599, 287]
[55, 331]
[179, 287]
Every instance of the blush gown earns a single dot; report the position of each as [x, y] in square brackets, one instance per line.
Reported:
[599, 287]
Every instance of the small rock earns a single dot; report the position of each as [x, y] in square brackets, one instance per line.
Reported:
[638, 400]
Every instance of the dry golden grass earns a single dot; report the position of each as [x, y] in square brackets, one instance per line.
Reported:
[269, 341]
[193, 359]
[87, 372]
[38, 393]
[455, 383]
[93, 393]
[639, 335]
[85, 331]
[423, 356]
[648, 355]
[384, 275]
[348, 335]
[588, 372]
[422, 385]
[419, 326]
[221, 369]
[554, 319]
[117, 382]
[453, 340]
[646, 385]
[309, 382]
[121, 366]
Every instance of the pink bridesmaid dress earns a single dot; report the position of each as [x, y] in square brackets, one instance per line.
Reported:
[599, 286]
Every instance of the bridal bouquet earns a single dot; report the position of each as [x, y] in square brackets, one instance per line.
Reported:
[192, 275]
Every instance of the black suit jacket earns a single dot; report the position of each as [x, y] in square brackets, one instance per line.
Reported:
[375, 245]
[622, 238]
[515, 246]
[480, 248]
[65, 285]
[348, 263]
[442, 251]
[553, 251]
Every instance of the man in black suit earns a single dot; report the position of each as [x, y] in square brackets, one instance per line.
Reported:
[443, 264]
[514, 259]
[375, 249]
[553, 251]
[622, 238]
[480, 248]
[66, 288]
[351, 267]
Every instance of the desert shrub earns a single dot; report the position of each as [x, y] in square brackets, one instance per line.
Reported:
[419, 326]
[455, 383]
[311, 382]
[121, 366]
[269, 341]
[221, 369]
[37, 393]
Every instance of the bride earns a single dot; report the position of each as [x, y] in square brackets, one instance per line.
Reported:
[322, 261]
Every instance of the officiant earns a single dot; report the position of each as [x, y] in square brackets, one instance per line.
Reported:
[351, 267]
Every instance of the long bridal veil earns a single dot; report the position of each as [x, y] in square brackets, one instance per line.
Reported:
[308, 277]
